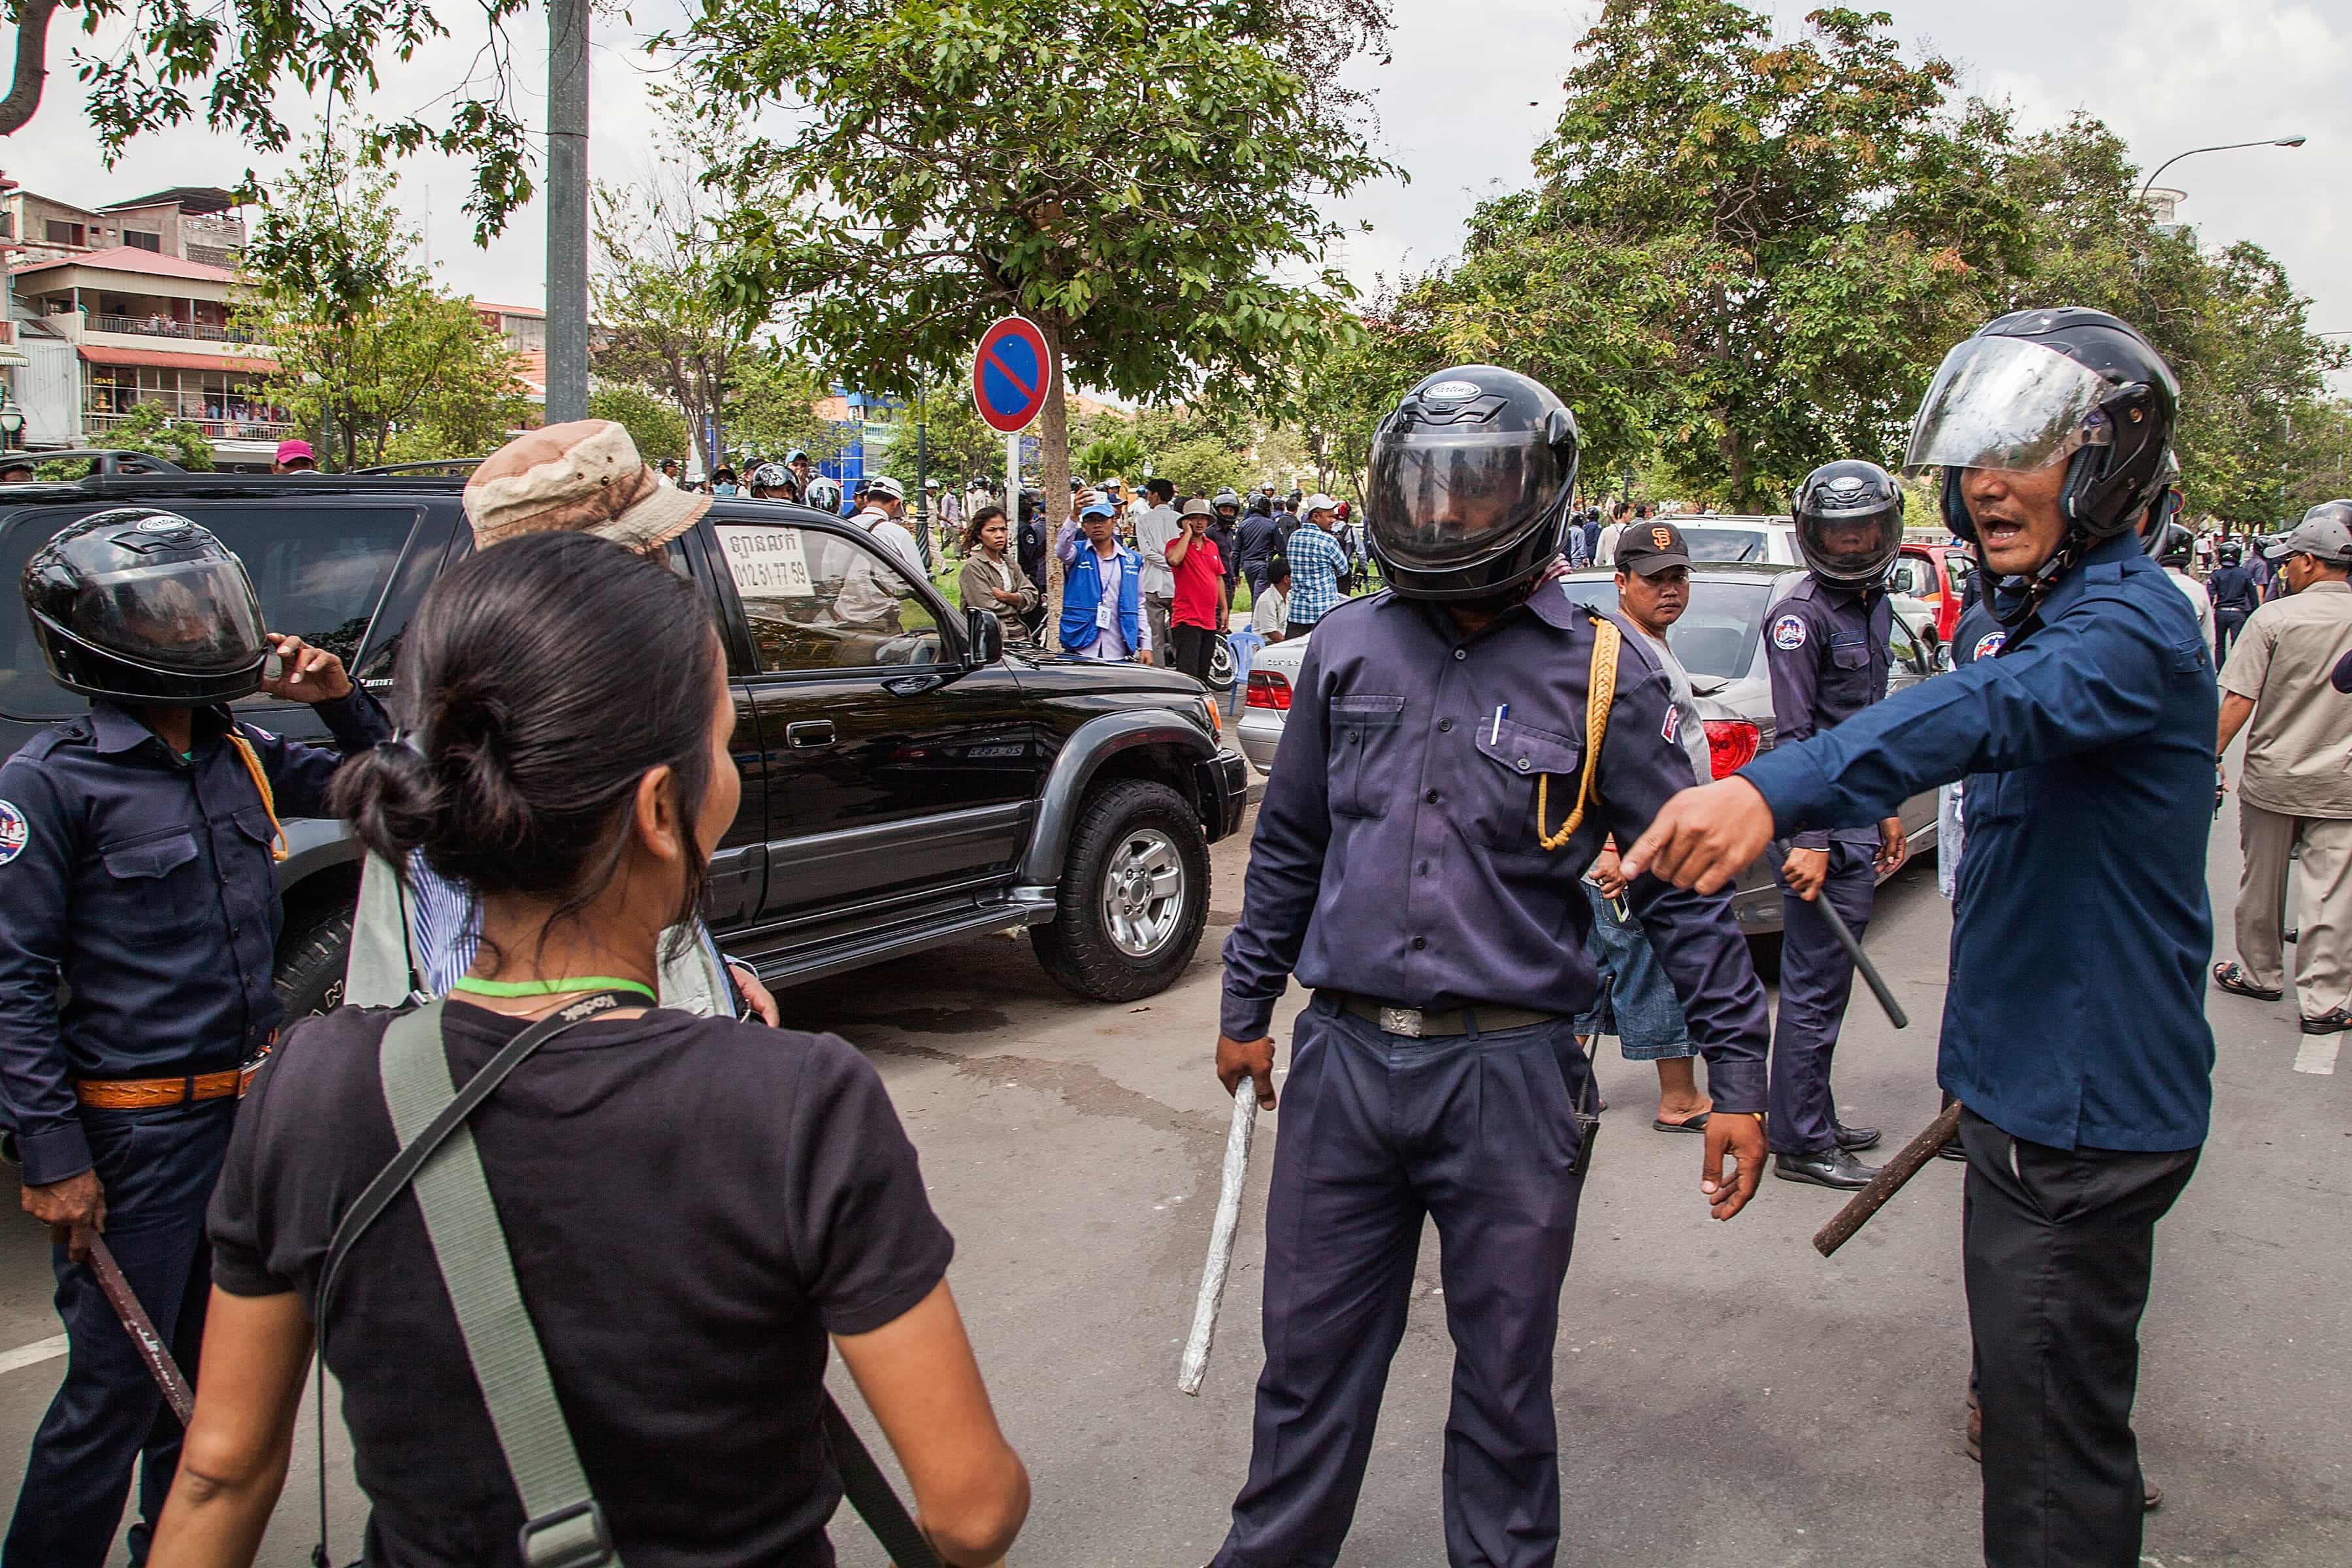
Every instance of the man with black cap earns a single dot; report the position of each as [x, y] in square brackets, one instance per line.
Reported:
[1827, 650]
[2074, 1031]
[1457, 750]
[2295, 793]
[138, 847]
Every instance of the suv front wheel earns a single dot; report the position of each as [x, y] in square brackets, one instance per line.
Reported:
[1134, 895]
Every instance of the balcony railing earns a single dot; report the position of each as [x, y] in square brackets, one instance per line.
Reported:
[217, 423]
[164, 327]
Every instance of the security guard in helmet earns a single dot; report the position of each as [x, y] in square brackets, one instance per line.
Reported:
[2087, 741]
[136, 865]
[1458, 748]
[1827, 652]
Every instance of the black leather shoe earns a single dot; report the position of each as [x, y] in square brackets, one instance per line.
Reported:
[1830, 1168]
[1856, 1138]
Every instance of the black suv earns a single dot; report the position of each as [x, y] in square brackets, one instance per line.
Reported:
[906, 783]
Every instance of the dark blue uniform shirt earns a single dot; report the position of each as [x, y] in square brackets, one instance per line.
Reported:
[2233, 588]
[1397, 856]
[145, 882]
[2076, 1012]
[1827, 650]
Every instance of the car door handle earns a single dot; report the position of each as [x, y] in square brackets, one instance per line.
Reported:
[912, 685]
[811, 733]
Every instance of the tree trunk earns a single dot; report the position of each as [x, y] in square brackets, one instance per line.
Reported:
[1054, 463]
[32, 64]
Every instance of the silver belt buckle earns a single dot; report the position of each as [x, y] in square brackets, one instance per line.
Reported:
[1405, 1021]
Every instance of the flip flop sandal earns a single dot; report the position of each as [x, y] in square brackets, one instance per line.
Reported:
[2232, 978]
[1687, 1124]
[2335, 1021]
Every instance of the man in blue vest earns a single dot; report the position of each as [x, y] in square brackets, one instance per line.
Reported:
[1102, 595]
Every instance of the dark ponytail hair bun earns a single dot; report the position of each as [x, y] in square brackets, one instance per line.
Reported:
[541, 680]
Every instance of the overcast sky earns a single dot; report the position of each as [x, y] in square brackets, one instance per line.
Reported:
[1472, 89]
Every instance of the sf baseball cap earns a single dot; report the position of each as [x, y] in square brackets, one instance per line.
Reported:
[1650, 548]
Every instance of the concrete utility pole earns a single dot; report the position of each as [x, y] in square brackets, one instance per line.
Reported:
[567, 210]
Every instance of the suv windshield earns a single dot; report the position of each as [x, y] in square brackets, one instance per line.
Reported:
[1716, 635]
[319, 575]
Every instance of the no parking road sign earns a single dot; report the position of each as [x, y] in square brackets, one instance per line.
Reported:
[1010, 375]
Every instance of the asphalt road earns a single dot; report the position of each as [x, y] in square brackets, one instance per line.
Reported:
[1723, 1395]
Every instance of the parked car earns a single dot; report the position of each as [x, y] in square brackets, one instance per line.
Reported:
[905, 782]
[1768, 540]
[1721, 641]
[1937, 576]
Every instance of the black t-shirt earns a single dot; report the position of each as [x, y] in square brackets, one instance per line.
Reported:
[692, 1204]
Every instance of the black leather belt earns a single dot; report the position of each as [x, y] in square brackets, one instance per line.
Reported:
[1415, 1024]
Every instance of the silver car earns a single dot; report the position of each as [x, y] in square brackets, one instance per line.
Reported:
[1721, 641]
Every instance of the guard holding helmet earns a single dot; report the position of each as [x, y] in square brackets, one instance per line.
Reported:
[1457, 750]
[1828, 656]
[137, 847]
[2073, 1030]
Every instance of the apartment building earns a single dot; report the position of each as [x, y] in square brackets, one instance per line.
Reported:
[193, 223]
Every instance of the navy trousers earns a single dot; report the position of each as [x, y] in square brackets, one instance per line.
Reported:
[158, 1168]
[1816, 979]
[1379, 1130]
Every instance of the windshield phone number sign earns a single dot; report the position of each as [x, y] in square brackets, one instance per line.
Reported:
[767, 560]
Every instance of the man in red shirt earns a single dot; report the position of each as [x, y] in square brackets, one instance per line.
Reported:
[1197, 617]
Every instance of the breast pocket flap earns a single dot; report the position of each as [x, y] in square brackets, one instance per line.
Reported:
[1849, 651]
[1364, 713]
[1523, 750]
[155, 858]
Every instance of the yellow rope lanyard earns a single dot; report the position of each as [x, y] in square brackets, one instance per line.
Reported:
[1597, 700]
[278, 851]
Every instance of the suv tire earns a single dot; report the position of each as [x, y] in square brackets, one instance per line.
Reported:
[1126, 929]
[310, 965]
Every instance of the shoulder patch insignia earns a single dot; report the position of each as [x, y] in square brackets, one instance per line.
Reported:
[1990, 643]
[14, 833]
[1789, 632]
[1669, 730]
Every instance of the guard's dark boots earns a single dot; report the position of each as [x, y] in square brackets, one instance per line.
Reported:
[1828, 1168]
[1855, 1138]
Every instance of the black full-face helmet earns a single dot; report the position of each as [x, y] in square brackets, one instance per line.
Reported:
[1471, 477]
[1850, 522]
[2037, 387]
[142, 606]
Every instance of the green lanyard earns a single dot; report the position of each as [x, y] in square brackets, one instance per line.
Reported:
[552, 987]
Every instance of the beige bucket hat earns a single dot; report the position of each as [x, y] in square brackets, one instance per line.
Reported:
[584, 477]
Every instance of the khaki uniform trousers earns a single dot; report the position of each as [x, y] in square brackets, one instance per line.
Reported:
[2322, 976]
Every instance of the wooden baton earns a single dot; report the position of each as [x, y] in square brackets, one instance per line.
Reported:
[1195, 1364]
[141, 1330]
[1887, 1182]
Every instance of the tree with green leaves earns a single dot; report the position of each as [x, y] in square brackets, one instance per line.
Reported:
[230, 66]
[1748, 253]
[146, 429]
[667, 318]
[372, 358]
[1171, 158]
[771, 408]
[653, 422]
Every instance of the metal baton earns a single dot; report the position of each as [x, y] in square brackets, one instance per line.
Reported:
[141, 1330]
[1844, 934]
[1221, 1238]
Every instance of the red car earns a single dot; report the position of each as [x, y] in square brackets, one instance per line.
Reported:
[1935, 574]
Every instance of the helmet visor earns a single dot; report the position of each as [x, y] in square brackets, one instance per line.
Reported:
[1448, 499]
[2008, 403]
[187, 617]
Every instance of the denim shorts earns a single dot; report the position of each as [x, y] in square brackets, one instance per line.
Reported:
[1636, 1001]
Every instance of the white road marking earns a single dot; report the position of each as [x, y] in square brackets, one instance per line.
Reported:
[33, 1354]
[2318, 1054]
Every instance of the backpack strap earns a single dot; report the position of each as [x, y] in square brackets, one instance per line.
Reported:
[1601, 693]
[564, 1527]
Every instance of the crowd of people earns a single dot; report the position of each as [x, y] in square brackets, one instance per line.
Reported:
[1494, 833]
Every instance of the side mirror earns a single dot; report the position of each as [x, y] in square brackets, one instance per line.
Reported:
[1943, 658]
[983, 638]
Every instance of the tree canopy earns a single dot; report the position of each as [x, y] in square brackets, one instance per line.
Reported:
[227, 62]
[373, 358]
